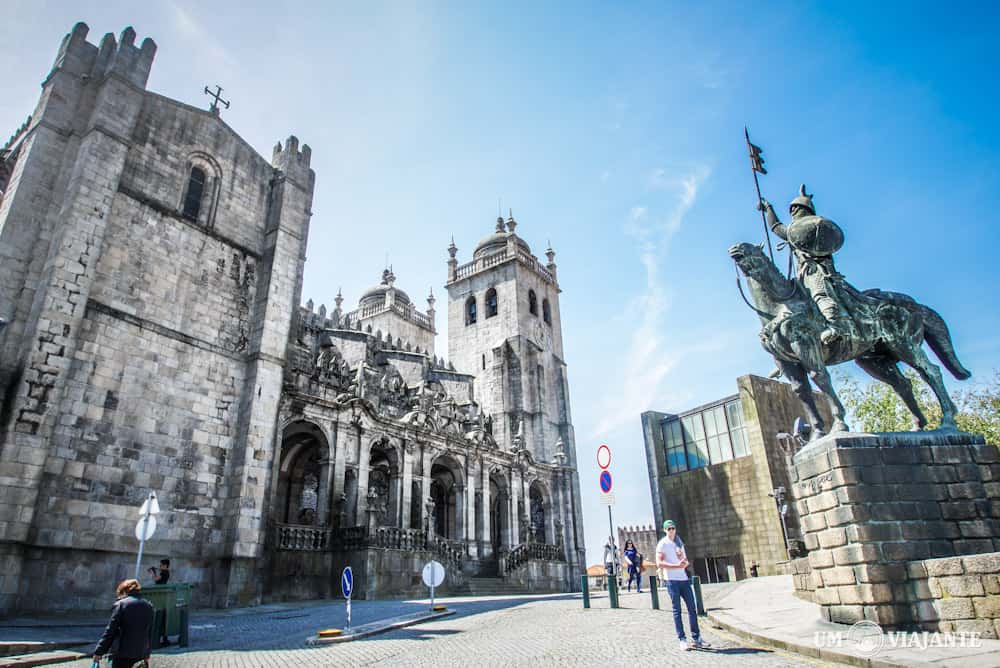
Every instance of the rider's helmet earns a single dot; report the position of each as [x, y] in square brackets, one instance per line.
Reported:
[803, 200]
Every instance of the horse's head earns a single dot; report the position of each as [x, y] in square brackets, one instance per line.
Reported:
[750, 259]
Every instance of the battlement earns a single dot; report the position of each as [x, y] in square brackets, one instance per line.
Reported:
[122, 57]
[294, 162]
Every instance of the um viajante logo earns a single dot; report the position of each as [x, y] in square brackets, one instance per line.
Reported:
[868, 639]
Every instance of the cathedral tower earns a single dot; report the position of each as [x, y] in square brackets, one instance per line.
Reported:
[504, 327]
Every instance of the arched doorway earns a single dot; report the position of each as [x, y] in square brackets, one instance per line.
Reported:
[446, 495]
[383, 480]
[302, 493]
[499, 513]
[538, 514]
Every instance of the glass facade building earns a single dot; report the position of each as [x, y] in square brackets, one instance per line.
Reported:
[705, 436]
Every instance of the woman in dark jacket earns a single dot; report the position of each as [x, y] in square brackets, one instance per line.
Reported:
[632, 561]
[131, 622]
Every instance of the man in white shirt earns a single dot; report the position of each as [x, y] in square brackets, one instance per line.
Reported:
[671, 559]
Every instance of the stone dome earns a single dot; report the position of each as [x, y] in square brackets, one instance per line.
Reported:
[498, 241]
[376, 293]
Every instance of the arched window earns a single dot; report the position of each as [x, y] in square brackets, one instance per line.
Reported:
[470, 311]
[491, 303]
[195, 190]
[546, 312]
[532, 303]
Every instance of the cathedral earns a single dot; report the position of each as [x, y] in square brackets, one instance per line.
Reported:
[152, 339]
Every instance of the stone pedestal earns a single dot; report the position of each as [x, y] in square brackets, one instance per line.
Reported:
[872, 505]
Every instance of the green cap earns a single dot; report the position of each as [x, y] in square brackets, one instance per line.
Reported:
[668, 524]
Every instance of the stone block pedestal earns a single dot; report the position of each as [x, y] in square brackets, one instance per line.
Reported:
[872, 505]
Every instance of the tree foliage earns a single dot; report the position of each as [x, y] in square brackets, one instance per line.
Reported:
[876, 407]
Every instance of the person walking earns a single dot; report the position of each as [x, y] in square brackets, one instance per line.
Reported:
[632, 564]
[131, 621]
[671, 559]
[610, 558]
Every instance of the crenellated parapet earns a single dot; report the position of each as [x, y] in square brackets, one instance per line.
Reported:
[79, 57]
[294, 162]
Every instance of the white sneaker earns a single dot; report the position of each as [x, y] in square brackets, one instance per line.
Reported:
[683, 645]
[700, 644]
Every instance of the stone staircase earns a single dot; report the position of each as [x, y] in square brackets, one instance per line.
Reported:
[487, 586]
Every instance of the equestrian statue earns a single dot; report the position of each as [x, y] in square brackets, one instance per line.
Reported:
[815, 318]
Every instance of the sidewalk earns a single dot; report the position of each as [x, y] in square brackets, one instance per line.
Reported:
[767, 612]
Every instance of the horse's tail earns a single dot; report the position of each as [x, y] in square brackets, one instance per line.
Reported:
[939, 339]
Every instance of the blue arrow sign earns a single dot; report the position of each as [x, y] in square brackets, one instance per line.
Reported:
[605, 481]
[347, 582]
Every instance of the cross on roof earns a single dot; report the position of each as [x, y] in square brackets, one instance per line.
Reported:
[218, 98]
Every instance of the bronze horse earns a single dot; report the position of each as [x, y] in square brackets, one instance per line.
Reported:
[890, 328]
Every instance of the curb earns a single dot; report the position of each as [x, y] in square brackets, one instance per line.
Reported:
[382, 626]
[40, 659]
[811, 651]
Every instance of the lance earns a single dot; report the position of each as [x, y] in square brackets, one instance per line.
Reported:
[757, 166]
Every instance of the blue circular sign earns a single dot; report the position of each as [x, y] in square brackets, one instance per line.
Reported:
[347, 582]
[605, 481]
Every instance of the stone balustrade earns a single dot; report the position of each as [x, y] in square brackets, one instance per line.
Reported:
[301, 537]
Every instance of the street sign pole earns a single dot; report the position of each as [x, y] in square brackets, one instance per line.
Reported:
[149, 507]
[347, 588]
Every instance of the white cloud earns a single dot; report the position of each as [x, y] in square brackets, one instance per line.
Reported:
[195, 34]
[648, 359]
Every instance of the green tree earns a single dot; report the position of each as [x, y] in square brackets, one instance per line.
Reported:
[875, 407]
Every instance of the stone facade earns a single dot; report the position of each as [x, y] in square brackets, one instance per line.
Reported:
[151, 267]
[724, 512]
[874, 508]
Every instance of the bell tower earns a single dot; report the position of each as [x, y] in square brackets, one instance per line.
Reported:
[504, 328]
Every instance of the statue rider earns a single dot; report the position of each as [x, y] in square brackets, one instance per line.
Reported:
[815, 239]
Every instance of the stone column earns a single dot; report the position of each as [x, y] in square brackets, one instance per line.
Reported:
[425, 492]
[338, 446]
[406, 498]
[364, 461]
[470, 506]
[323, 497]
[514, 534]
[487, 529]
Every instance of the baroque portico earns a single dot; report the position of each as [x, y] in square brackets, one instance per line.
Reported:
[389, 458]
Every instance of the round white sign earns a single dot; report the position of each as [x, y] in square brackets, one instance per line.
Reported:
[144, 530]
[604, 456]
[433, 574]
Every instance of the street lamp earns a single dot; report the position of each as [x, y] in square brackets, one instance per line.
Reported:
[778, 494]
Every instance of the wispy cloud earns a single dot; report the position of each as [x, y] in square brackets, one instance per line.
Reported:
[198, 37]
[648, 360]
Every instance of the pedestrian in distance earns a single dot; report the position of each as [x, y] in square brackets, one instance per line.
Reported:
[632, 564]
[671, 559]
[611, 564]
[131, 621]
[640, 561]
[162, 576]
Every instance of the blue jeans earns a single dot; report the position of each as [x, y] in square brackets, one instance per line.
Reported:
[679, 589]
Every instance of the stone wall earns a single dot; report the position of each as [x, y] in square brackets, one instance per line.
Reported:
[957, 594]
[872, 506]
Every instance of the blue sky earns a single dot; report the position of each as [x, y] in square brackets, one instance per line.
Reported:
[616, 132]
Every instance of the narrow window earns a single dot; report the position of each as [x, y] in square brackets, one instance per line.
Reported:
[195, 189]
[491, 303]
[532, 303]
[484, 361]
[470, 311]
[546, 312]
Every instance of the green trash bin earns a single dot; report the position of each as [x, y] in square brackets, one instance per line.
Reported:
[170, 598]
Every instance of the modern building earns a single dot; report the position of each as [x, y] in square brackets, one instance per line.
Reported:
[719, 471]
